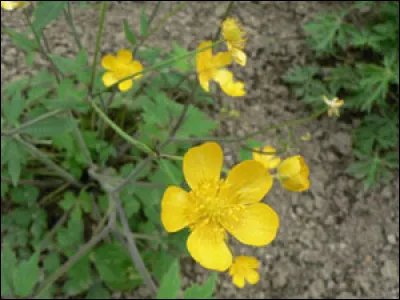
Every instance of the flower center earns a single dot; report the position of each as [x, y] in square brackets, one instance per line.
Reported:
[212, 204]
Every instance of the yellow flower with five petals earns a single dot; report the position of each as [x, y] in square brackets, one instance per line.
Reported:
[235, 38]
[212, 67]
[215, 206]
[120, 67]
[244, 269]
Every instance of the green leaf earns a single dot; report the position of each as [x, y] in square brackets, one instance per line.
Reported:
[181, 64]
[26, 275]
[14, 108]
[46, 12]
[79, 278]
[85, 201]
[143, 23]
[246, 154]
[52, 262]
[26, 194]
[204, 291]
[170, 283]
[50, 127]
[8, 263]
[115, 267]
[14, 169]
[129, 34]
[98, 291]
[22, 41]
[30, 59]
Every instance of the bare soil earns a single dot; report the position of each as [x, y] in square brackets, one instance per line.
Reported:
[336, 240]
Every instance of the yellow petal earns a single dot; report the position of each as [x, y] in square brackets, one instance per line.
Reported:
[109, 79]
[175, 206]
[257, 226]
[124, 56]
[206, 244]
[238, 280]
[222, 59]
[204, 80]
[227, 83]
[125, 85]
[338, 103]
[293, 174]
[108, 62]
[252, 277]
[204, 57]
[250, 261]
[248, 182]
[270, 161]
[136, 67]
[203, 164]
[239, 56]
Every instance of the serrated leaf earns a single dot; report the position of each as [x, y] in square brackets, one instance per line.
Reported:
[8, 263]
[50, 127]
[115, 267]
[22, 41]
[26, 276]
[129, 34]
[46, 12]
[98, 291]
[170, 283]
[52, 262]
[14, 108]
[204, 291]
[79, 278]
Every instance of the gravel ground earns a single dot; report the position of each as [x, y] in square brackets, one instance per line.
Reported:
[335, 241]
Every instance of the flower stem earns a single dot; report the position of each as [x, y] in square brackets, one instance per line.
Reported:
[42, 157]
[98, 41]
[120, 131]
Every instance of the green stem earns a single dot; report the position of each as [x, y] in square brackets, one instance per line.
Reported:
[82, 142]
[120, 131]
[42, 157]
[258, 132]
[70, 20]
[33, 122]
[98, 41]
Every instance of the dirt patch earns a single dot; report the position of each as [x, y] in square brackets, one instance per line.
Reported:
[335, 241]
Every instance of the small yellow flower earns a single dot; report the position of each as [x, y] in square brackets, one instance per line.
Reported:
[211, 67]
[293, 174]
[215, 206]
[333, 105]
[306, 137]
[11, 5]
[244, 269]
[235, 38]
[270, 161]
[120, 67]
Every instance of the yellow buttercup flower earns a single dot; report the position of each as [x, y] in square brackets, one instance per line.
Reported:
[211, 67]
[11, 5]
[244, 269]
[215, 206]
[333, 105]
[293, 174]
[120, 67]
[270, 160]
[235, 38]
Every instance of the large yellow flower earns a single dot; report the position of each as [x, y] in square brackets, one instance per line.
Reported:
[235, 38]
[244, 269]
[211, 67]
[214, 206]
[293, 174]
[268, 159]
[120, 67]
[11, 5]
